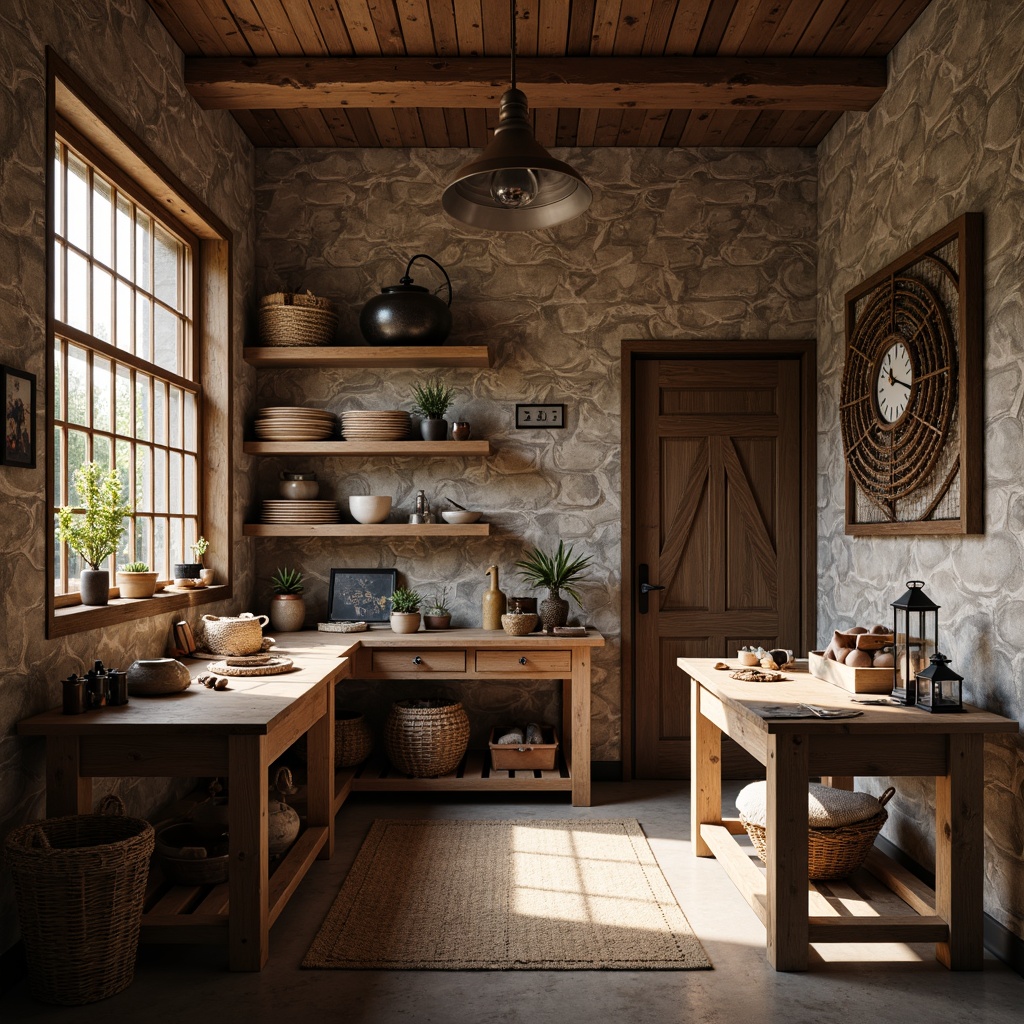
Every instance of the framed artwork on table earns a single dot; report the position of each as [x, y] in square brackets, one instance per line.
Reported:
[361, 595]
[18, 390]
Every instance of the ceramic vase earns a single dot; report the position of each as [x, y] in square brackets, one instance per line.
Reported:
[287, 613]
[433, 429]
[94, 586]
[461, 431]
[554, 611]
[493, 602]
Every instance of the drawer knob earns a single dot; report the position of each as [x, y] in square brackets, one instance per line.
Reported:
[522, 660]
[417, 660]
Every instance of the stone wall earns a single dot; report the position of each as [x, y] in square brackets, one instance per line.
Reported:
[677, 244]
[945, 139]
[122, 52]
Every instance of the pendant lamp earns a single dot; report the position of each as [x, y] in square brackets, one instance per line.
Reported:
[515, 184]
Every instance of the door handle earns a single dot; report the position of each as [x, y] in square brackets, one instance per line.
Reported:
[645, 588]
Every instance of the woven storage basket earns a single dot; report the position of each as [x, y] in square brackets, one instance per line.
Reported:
[832, 852]
[289, 319]
[79, 883]
[426, 738]
[353, 740]
[233, 636]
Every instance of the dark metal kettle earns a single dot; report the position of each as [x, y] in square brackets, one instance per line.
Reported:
[407, 314]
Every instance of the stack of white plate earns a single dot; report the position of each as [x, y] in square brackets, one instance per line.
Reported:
[294, 423]
[292, 511]
[375, 425]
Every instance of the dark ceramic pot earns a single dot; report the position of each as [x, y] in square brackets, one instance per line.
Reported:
[437, 621]
[434, 429]
[94, 586]
[186, 570]
[554, 611]
[406, 314]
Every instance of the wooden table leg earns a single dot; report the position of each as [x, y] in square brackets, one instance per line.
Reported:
[580, 685]
[248, 881]
[786, 841]
[705, 773]
[959, 857]
[320, 774]
[67, 792]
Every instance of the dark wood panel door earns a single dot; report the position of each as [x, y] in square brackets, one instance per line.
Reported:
[719, 522]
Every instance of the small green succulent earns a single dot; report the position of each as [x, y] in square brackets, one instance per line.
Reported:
[405, 600]
[134, 567]
[287, 581]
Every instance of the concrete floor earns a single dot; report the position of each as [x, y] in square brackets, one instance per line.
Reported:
[892, 983]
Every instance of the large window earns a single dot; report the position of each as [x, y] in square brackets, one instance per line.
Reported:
[125, 387]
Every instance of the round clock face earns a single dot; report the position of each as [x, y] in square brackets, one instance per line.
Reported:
[894, 382]
[899, 390]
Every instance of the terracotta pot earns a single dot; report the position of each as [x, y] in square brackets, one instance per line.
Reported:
[405, 622]
[287, 613]
[137, 584]
[437, 621]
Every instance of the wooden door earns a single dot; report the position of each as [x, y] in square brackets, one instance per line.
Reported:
[719, 522]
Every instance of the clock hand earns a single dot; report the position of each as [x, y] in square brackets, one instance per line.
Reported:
[896, 380]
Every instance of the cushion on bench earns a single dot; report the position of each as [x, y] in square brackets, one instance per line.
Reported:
[826, 807]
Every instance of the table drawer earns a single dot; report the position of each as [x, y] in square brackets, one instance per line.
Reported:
[407, 663]
[519, 662]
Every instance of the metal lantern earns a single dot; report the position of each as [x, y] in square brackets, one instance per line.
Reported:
[915, 627]
[939, 688]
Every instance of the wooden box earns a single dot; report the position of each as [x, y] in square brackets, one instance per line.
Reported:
[856, 680]
[510, 757]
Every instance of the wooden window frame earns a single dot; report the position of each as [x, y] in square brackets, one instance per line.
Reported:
[75, 112]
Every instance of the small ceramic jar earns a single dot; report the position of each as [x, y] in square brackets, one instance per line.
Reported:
[298, 486]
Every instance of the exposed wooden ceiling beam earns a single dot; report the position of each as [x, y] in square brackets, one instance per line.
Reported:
[652, 83]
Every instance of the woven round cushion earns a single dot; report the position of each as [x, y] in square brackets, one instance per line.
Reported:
[826, 807]
[426, 738]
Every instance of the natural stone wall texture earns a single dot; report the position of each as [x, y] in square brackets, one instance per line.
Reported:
[945, 139]
[677, 244]
[121, 50]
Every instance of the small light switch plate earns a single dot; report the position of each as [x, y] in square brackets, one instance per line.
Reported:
[539, 416]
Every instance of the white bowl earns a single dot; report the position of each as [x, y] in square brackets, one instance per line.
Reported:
[460, 517]
[369, 508]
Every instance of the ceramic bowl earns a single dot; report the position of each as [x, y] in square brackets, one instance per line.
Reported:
[458, 517]
[298, 490]
[152, 677]
[747, 658]
[369, 508]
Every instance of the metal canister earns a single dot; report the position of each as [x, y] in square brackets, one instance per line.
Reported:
[117, 687]
[74, 699]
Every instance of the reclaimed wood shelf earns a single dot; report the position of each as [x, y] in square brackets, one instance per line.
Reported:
[473, 774]
[447, 449]
[366, 530]
[415, 356]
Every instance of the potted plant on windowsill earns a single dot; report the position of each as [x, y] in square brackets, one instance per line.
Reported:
[433, 397]
[555, 573]
[192, 571]
[94, 530]
[438, 615]
[287, 607]
[135, 580]
[405, 611]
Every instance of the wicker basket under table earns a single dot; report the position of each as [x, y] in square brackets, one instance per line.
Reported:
[425, 739]
[832, 853]
[79, 883]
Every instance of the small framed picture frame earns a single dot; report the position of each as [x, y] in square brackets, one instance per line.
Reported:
[542, 417]
[361, 595]
[18, 390]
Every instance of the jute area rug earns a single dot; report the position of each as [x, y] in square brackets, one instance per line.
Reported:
[506, 896]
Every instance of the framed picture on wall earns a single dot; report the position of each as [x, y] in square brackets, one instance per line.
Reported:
[361, 595]
[18, 389]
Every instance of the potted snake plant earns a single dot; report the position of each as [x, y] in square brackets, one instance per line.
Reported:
[287, 607]
[555, 572]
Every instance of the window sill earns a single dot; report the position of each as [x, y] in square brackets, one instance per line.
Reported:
[79, 618]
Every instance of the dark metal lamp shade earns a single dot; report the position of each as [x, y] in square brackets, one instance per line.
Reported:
[515, 184]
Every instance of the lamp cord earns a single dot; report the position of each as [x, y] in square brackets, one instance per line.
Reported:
[512, 22]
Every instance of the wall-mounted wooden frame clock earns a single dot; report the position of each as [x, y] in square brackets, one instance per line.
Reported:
[910, 407]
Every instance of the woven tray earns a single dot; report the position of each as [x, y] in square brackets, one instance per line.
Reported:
[341, 627]
[274, 667]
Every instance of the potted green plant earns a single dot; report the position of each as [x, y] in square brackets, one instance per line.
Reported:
[184, 571]
[135, 580]
[199, 549]
[94, 530]
[557, 572]
[405, 610]
[433, 397]
[438, 615]
[287, 607]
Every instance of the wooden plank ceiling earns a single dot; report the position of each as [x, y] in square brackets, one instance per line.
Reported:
[389, 73]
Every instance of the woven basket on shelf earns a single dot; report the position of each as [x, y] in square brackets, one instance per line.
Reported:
[426, 738]
[79, 884]
[353, 740]
[289, 319]
[832, 852]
